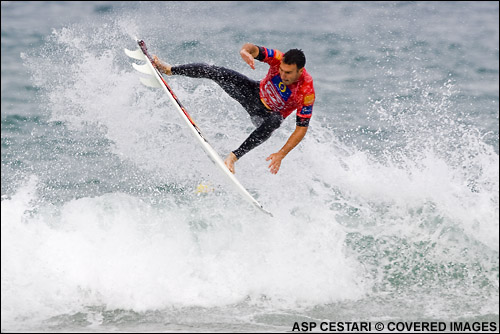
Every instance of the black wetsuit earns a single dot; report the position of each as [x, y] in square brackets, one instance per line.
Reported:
[246, 92]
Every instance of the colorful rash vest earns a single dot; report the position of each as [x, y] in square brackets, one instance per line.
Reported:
[282, 98]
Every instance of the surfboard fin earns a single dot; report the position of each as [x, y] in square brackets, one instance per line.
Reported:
[150, 82]
[143, 68]
[137, 54]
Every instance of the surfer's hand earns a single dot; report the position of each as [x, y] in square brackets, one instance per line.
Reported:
[275, 164]
[229, 162]
[248, 58]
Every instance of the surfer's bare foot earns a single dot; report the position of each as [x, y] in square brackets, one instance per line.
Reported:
[230, 160]
[161, 66]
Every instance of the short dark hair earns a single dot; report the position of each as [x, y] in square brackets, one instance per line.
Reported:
[295, 56]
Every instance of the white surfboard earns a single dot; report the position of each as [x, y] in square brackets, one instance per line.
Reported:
[156, 80]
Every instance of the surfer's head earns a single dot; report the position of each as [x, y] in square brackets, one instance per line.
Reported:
[295, 56]
[292, 66]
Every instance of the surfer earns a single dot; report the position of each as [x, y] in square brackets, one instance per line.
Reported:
[286, 87]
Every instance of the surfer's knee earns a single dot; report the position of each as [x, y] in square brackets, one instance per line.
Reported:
[256, 120]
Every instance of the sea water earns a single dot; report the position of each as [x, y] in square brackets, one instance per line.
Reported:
[386, 212]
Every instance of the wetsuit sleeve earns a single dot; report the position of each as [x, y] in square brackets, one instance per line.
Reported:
[301, 121]
[262, 53]
[304, 112]
[269, 56]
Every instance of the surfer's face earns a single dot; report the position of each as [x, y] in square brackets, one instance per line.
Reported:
[289, 73]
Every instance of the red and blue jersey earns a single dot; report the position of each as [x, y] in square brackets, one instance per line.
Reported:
[282, 98]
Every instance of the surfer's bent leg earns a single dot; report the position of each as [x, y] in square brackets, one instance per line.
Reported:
[239, 87]
[243, 90]
[261, 134]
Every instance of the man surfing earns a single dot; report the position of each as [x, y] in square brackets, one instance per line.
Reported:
[286, 87]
